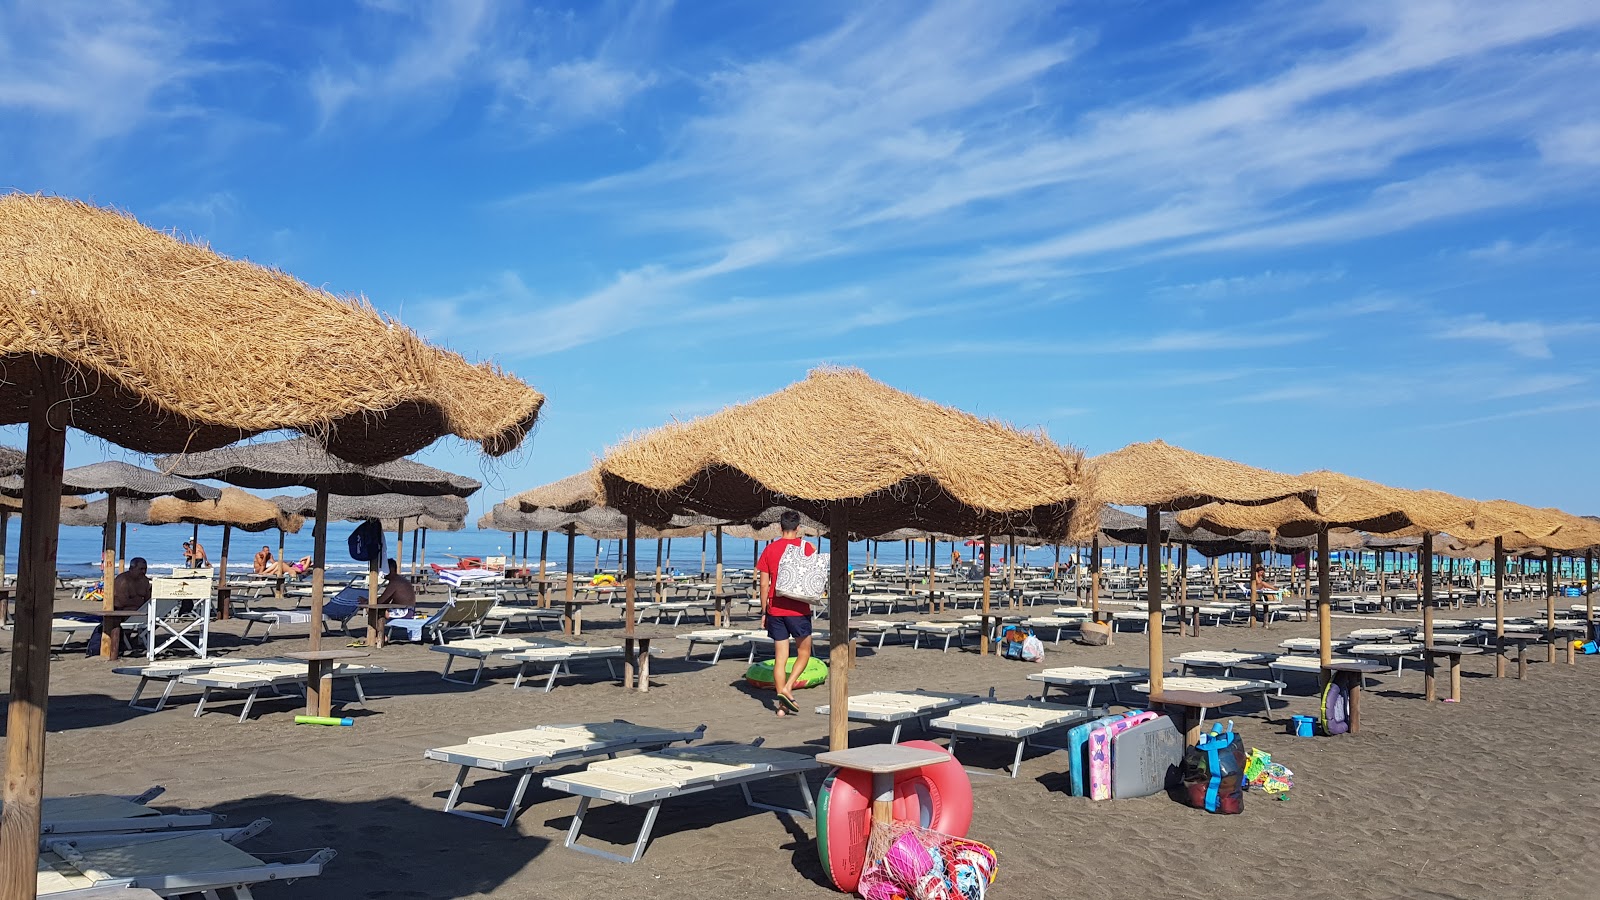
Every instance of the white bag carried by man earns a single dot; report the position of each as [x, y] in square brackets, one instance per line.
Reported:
[802, 577]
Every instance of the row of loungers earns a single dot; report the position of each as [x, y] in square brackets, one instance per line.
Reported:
[246, 676]
[100, 845]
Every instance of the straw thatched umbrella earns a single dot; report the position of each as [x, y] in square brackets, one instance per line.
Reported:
[858, 455]
[301, 462]
[1161, 477]
[234, 509]
[99, 329]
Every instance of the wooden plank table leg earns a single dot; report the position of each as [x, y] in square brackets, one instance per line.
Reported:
[883, 797]
[627, 663]
[374, 633]
[1428, 666]
[1455, 678]
[644, 665]
[1522, 660]
[314, 699]
[1355, 706]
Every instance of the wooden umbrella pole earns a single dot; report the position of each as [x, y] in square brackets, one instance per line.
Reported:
[1550, 604]
[23, 790]
[1324, 600]
[223, 596]
[1094, 577]
[572, 553]
[278, 592]
[110, 632]
[669, 557]
[838, 627]
[656, 590]
[5, 529]
[1152, 536]
[1588, 586]
[422, 550]
[719, 559]
[983, 627]
[1183, 587]
[1425, 586]
[319, 559]
[1499, 608]
[196, 536]
[627, 576]
[122, 550]
[374, 616]
[400, 541]
[704, 535]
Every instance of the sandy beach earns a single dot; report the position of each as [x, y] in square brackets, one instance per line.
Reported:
[1494, 796]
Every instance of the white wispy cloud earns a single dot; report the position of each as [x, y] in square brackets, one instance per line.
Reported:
[1267, 282]
[1507, 251]
[1531, 339]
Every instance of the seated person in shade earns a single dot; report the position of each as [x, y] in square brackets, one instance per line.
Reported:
[397, 589]
[264, 560]
[132, 588]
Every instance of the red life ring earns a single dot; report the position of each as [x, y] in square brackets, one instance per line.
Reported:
[938, 797]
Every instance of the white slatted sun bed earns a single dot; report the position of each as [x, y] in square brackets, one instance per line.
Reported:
[1226, 660]
[898, 707]
[173, 669]
[947, 630]
[522, 752]
[253, 678]
[271, 618]
[173, 864]
[560, 660]
[1313, 645]
[1396, 652]
[721, 638]
[1311, 665]
[1063, 678]
[650, 779]
[1242, 687]
[480, 649]
[108, 814]
[1020, 722]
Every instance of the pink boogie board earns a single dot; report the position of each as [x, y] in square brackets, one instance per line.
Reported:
[1100, 753]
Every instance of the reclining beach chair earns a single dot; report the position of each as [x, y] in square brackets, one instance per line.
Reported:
[481, 649]
[1241, 687]
[1020, 722]
[268, 675]
[172, 864]
[650, 779]
[522, 752]
[465, 614]
[899, 707]
[561, 658]
[720, 638]
[1065, 678]
[170, 671]
[342, 607]
[1225, 660]
[1311, 665]
[108, 813]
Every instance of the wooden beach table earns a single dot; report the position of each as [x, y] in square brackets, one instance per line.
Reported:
[1521, 639]
[898, 707]
[572, 614]
[319, 677]
[882, 762]
[1092, 677]
[1189, 708]
[1452, 654]
[1354, 692]
[377, 616]
[1311, 665]
[636, 656]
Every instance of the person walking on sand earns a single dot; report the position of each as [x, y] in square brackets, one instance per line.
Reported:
[785, 619]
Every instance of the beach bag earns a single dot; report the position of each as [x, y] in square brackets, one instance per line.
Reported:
[1014, 644]
[909, 862]
[802, 576]
[1094, 634]
[1261, 773]
[1213, 773]
[366, 542]
[1336, 704]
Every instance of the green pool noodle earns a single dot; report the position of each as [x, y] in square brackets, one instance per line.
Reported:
[322, 720]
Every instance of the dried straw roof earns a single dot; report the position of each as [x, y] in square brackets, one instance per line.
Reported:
[1342, 502]
[572, 494]
[125, 480]
[12, 460]
[839, 438]
[172, 332]
[377, 506]
[1171, 478]
[301, 462]
[74, 508]
[1525, 528]
[234, 508]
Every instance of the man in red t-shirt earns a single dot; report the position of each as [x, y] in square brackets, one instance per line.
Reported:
[785, 619]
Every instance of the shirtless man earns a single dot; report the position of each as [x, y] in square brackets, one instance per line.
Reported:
[263, 560]
[130, 592]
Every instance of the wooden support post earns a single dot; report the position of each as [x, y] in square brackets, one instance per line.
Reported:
[1550, 605]
[572, 552]
[838, 627]
[1324, 600]
[375, 617]
[319, 559]
[1094, 577]
[23, 792]
[1152, 534]
[1588, 585]
[1425, 591]
[1499, 608]
[224, 594]
[111, 628]
[983, 620]
[628, 575]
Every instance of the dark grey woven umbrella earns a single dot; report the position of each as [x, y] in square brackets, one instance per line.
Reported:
[12, 460]
[121, 480]
[447, 513]
[136, 512]
[301, 462]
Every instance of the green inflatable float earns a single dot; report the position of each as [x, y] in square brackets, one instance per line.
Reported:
[815, 673]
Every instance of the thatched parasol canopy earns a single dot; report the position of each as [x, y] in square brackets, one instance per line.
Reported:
[144, 322]
[504, 517]
[377, 506]
[123, 481]
[74, 511]
[12, 460]
[841, 438]
[1157, 474]
[572, 494]
[234, 508]
[410, 524]
[1523, 528]
[1342, 502]
[301, 462]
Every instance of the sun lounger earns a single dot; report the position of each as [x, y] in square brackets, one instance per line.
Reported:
[650, 779]
[107, 813]
[1395, 652]
[1139, 619]
[1377, 635]
[1313, 645]
[200, 863]
[481, 649]
[898, 707]
[170, 671]
[1226, 660]
[880, 627]
[503, 615]
[947, 630]
[271, 618]
[1092, 677]
[1239, 686]
[522, 752]
[1019, 721]
[71, 629]
[257, 676]
[677, 609]
[1311, 665]
[560, 660]
[720, 638]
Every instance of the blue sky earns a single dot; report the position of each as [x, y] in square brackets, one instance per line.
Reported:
[1349, 235]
